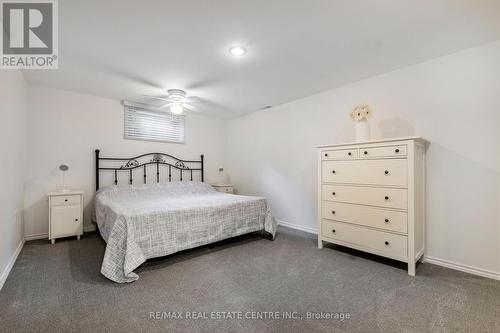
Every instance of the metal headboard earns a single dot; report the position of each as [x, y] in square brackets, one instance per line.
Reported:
[174, 165]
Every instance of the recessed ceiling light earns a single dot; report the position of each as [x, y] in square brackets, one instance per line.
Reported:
[237, 51]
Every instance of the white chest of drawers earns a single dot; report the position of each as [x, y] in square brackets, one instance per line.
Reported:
[65, 214]
[226, 188]
[371, 197]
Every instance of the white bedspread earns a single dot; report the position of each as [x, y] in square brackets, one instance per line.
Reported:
[147, 221]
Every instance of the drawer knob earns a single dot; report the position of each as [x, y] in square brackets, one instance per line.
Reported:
[333, 212]
[349, 153]
[386, 220]
[397, 150]
[333, 171]
[326, 155]
[386, 243]
[333, 231]
[333, 193]
[76, 220]
[365, 152]
[386, 198]
[386, 172]
[65, 200]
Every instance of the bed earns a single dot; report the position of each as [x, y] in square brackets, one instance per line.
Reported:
[158, 218]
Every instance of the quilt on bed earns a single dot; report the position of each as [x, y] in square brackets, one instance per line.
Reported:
[147, 221]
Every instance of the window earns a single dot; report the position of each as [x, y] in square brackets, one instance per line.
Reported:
[143, 123]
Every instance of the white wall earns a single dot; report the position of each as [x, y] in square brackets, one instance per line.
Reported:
[453, 101]
[13, 94]
[67, 127]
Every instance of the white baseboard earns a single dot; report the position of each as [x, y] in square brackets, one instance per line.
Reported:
[12, 260]
[463, 268]
[298, 227]
[45, 235]
[36, 236]
[89, 228]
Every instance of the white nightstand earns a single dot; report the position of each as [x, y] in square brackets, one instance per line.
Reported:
[226, 188]
[65, 214]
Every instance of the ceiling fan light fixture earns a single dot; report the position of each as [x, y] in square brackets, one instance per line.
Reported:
[237, 51]
[176, 108]
[176, 101]
[176, 95]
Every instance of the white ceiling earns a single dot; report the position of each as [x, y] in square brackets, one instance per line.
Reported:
[296, 48]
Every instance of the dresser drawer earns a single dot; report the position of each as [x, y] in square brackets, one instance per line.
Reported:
[389, 151]
[381, 242]
[365, 215]
[225, 189]
[373, 196]
[65, 200]
[391, 172]
[339, 154]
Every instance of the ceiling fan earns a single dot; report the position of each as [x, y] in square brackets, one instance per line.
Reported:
[177, 100]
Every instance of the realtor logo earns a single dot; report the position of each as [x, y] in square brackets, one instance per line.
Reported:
[29, 34]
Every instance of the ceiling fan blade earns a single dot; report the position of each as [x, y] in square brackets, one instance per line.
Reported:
[206, 103]
[190, 107]
[194, 99]
[159, 98]
[166, 105]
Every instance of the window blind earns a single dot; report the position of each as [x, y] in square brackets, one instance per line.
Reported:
[153, 125]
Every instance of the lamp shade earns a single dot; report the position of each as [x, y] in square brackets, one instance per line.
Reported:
[64, 167]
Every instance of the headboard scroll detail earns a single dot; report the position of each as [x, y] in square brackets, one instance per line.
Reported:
[174, 165]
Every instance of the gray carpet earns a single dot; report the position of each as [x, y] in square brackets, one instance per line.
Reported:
[54, 288]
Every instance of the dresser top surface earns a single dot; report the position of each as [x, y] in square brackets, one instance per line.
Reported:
[65, 192]
[406, 138]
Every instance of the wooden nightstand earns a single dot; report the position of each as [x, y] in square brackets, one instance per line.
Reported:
[226, 188]
[65, 214]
